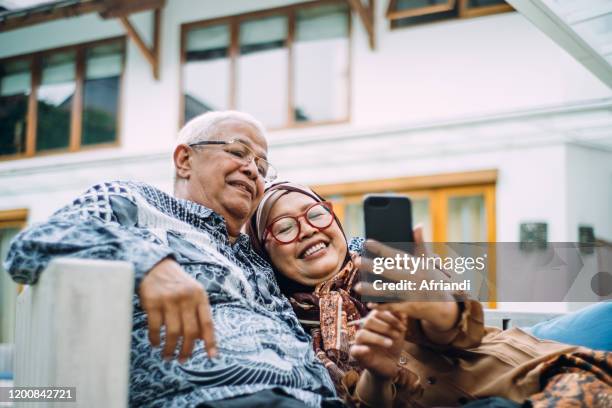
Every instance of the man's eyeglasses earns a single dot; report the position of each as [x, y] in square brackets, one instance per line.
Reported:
[242, 153]
[286, 229]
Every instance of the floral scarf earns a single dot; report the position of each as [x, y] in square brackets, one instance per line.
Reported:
[327, 311]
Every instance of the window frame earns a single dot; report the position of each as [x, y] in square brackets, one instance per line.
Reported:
[76, 114]
[393, 14]
[463, 11]
[234, 22]
[437, 189]
[468, 12]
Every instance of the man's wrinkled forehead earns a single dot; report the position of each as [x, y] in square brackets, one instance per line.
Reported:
[245, 132]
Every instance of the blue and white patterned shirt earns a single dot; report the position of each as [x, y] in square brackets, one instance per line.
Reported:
[261, 343]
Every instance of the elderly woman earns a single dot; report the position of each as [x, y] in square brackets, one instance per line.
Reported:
[409, 353]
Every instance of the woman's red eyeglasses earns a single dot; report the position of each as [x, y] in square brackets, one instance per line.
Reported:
[286, 229]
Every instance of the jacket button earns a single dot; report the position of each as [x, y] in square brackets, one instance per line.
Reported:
[431, 380]
[403, 360]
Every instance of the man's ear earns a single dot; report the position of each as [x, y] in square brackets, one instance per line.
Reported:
[182, 161]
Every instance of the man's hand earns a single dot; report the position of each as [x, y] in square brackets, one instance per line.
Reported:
[378, 344]
[173, 299]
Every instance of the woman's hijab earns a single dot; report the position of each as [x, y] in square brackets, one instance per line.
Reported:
[327, 308]
[256, 228]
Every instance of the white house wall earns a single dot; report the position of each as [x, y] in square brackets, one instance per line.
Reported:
[589, 192]
[463, 67]
[434, 72]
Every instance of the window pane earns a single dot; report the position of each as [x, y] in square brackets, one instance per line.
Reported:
[466, 219]
[484, 3]
[263, 70]
[55, 101]
[423, 11]
[8, 290]
[401, 5]
[103, 66]
[206, 71]
[353, 220]
[321, 64]
[421, 215]
[14, 92]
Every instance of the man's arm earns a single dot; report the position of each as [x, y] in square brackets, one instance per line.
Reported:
[102, 224]
[66, 235]
[99, 224]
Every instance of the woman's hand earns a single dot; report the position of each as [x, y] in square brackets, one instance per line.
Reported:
[378, 344]
[438, 310]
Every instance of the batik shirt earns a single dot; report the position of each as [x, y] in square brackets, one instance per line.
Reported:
[260, 341]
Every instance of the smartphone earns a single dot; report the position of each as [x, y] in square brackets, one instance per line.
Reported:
[388, 219]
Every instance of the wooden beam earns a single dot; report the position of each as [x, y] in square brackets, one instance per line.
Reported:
[151, 54]
[32, 118]
[121, 8]
[409, 183]
[76, 118]
[156, 39]
[393, 14]
[19, 215]
[366, 15]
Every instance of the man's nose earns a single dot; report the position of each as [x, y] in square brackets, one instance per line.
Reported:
[249, 167]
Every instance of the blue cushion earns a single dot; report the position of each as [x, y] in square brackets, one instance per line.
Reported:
[589, 327]
[5, 375]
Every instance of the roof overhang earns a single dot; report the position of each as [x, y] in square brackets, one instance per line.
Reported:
[55, 10]
[583, 28]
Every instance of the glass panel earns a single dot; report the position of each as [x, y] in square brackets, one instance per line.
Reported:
[422, 13]
[484, 3]
[427, 18]
[597, 32]
[262, 70]
[353, 220]
[103, 66]
[206, 73]
[8, 291]
[466, 219]
[14, 93]
[402, 5]
[421, 215]
[321, 64]
[55, 101]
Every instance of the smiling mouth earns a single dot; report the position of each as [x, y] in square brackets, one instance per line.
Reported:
[313, 249]
[242, 186]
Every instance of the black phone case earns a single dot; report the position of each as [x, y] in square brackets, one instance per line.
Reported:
[388, 219]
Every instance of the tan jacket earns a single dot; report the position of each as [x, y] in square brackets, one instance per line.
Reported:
[480, 362]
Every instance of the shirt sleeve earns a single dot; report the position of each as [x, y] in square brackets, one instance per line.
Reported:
[467, 332]
[100, 224]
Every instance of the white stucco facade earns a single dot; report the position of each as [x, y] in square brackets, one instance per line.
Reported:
[462, 95]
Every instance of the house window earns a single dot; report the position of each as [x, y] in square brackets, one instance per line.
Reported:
[15, 89]
[55, 97]
[263, 70]
[458, 207]
[60, 100]
[288, 66]
[206, 70]
[404, 13]
[103, 67]
[321, 63]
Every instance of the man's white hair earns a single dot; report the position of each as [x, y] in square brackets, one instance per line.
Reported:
[205, 126]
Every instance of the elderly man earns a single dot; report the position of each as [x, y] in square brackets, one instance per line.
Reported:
[193, 267]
